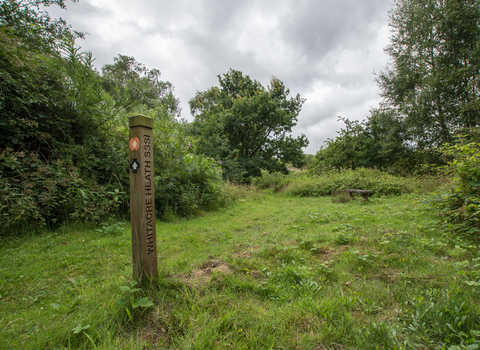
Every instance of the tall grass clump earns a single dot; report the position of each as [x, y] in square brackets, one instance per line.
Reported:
[323, 184]
[233, 193]
[275, 181]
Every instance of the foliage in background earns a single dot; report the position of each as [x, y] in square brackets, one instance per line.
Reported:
[33, 102]
[333, 179]
[185, 182]
[132, 85]
[460, 203]
[275, 181]
[382, 142]
[247, 126]
[433, 81]
[33, 26]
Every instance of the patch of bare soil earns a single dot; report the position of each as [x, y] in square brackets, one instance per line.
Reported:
[246, 254]
[327, 253]
[204, 274]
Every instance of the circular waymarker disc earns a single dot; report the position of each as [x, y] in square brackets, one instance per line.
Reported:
[134, 143]
[134, 165]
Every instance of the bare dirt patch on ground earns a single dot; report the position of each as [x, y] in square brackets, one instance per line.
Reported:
[204, 274]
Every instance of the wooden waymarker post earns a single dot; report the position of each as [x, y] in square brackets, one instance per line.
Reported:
[142, 200]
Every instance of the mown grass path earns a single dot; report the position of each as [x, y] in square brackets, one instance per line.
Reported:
[272, 271]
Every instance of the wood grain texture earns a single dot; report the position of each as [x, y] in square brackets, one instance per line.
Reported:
[142, 202]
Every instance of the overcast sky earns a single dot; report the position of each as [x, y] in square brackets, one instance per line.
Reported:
[325, 50]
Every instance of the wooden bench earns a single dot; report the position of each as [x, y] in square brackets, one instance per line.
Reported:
[363, 193]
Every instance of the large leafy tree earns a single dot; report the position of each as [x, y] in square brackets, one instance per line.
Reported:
[50, 96]
[132, 85]
[433, 81]
[35, 105]
[378, 141]
[30, 22]
[247, 126]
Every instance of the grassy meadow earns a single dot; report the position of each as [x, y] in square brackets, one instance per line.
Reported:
[272, 271]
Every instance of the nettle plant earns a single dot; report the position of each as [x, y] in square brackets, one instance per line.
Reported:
[130, 303]
[36, 193]
[461, 203]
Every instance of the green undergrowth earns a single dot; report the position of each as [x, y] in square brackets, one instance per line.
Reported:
[270, 272]
[381, 183]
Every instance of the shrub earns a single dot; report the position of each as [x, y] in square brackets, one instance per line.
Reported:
[35, 193]
[194, 184]
[460, 202]
[362, 179]
[275, 181]
[185, 183]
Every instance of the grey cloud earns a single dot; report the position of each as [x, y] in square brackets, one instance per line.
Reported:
[322, 49]
[317, 28]
[223, 15]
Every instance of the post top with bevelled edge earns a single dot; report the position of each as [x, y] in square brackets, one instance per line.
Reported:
[140, 120]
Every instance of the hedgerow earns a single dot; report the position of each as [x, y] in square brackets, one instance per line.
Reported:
[338, 179]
